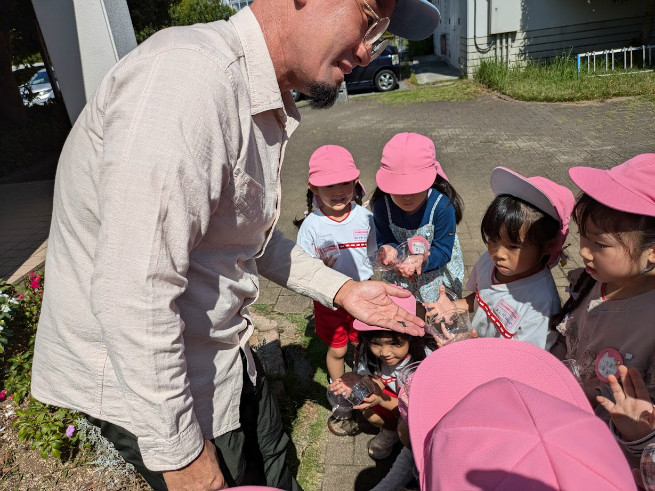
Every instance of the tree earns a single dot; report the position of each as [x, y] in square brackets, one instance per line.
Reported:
[189, 12]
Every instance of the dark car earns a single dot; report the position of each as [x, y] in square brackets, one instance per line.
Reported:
[381, 74]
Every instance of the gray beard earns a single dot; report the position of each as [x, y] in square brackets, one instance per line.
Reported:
[322, 95]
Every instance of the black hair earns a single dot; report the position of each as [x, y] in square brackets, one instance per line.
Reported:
[417, 345]
[639, 228]
[511, 215]
[441, 185]
[358, 195]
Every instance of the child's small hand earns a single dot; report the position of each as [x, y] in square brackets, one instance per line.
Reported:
[410, 266]
[442, 304]
[372, 400]
[329, 260]
[387, 254]
[633, 413]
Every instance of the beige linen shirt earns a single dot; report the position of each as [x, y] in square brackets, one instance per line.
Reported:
[166, 199]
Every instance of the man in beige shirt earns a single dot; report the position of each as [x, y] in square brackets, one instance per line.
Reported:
[166, 200]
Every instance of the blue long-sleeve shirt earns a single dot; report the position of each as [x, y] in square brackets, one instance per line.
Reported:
[444, 223]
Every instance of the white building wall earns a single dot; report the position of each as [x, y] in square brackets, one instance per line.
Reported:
[546, 29]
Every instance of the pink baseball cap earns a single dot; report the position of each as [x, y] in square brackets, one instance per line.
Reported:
[511, 416]
[408, 165]
[409, 304]
[628, 187]
[551, 198]
[331, 164]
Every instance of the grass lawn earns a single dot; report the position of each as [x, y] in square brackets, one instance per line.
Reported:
[558, 81]
[459, 90]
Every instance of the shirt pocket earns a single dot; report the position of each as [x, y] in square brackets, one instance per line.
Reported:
[248, 195]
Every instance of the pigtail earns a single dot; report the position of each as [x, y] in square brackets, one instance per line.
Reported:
[377, 194]
[359, 194]
[580, 290]
[310, 207]
[445, 188]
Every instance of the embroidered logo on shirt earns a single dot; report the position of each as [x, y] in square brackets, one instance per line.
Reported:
[360, 234]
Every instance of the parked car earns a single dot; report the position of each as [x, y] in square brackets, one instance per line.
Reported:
[38, 90]
[382, 74]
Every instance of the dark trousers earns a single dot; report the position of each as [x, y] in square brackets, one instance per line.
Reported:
[253, 454]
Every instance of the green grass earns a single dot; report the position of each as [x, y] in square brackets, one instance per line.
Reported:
[303, 404]
[557, 80]
[459, 90]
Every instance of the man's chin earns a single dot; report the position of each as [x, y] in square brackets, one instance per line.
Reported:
[322, 95]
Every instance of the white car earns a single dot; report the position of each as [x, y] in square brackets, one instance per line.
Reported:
[38, 90]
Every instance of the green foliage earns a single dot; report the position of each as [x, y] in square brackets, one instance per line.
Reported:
[8, 311]
[45, 427]
[558, 80]
[19, 17]
[458, 90]
[189, 12]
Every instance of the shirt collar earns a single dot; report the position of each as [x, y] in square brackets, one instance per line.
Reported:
[262, 82]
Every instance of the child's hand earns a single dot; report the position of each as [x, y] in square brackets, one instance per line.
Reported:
[329, 260]
[448, 338]
[632, 413]
[372, 400]
[442, 304]
[387, 254]
[410, 266]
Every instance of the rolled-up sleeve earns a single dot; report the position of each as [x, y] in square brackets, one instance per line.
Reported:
[159, 181]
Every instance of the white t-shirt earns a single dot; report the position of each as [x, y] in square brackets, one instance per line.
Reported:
[517, 310]
[354, 236]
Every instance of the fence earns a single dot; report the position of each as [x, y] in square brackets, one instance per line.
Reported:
[633, 58]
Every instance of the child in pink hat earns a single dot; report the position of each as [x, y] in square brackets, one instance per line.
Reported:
[524, 227]
[414, 199]
[382, 355]
[512, 417]
[608, 320]
[340, 232]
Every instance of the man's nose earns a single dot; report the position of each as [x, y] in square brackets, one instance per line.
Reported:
[362, 54]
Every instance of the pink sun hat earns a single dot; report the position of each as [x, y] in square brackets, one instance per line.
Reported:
[551, 198]
[628, 187]
[409, 304]
[408, 165]
[331, 164]
[512, 416]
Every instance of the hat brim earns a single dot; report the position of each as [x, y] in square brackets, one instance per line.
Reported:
[414, 19]
[506, 181]
[468, 364]
[406, 183]
[598, 184]
[335, 178]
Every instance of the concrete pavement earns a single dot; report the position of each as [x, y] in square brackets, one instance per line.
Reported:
[472, 137]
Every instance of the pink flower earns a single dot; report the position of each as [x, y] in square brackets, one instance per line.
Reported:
[20, 297]
[3, 394]
[35, 284]
[70, 431]
[10, 398]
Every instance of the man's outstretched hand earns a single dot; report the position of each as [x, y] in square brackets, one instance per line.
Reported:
[369, 302]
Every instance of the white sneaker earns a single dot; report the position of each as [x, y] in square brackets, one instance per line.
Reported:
[382, 444]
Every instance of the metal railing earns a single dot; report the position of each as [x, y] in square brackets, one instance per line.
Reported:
[634, 58]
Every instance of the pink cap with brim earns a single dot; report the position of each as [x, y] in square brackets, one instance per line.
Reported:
[331, 164]
[551, 198]
[409, 304]
[408, 165]
[511, 416]
[628, 187]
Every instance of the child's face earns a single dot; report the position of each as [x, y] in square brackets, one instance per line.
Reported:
[336, 197]
[410, 203]
[514, 261]
[388, 351]
[605, 258]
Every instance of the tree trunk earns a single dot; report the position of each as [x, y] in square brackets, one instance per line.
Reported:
[12, 110]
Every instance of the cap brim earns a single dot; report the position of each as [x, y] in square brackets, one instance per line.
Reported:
[336, 178]
[505, 181]
[468, 364]
[405, 183]
[598, 184]
[414, 19]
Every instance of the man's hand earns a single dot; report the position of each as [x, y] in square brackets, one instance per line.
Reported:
[203, 474]
[633, 413]
[369, 302]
